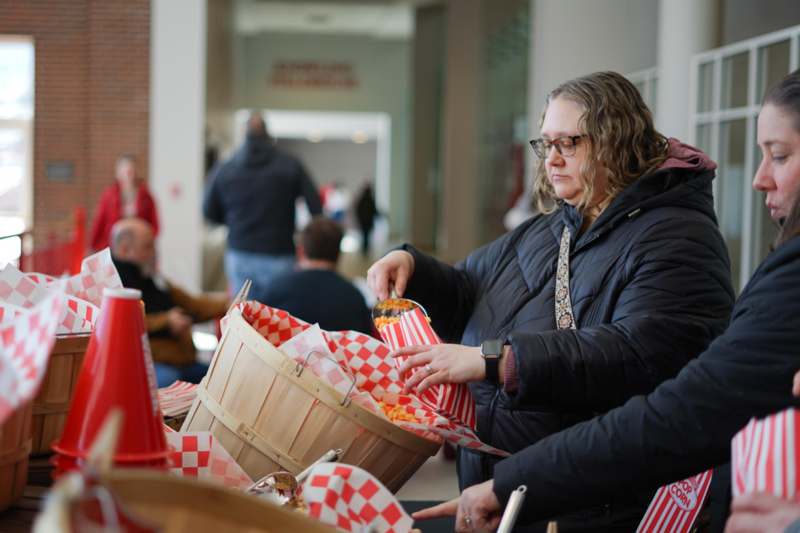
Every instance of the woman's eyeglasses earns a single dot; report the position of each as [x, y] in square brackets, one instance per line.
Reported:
[565, 146]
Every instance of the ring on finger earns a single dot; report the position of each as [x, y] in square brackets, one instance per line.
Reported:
[428, 369]
[468, 522]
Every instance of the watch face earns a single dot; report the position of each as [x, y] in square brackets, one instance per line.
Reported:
[492, 348]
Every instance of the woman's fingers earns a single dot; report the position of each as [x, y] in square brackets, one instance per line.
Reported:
[758, 502]
[410, 350]
[435, 378]
[437, 511]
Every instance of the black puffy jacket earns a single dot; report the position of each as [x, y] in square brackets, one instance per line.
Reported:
[650, 288]
[684, 426]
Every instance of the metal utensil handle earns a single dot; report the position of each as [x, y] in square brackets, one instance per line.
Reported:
[300, 366]
[512, 510]
[331, 456]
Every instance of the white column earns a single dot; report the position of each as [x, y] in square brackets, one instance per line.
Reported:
[685, 28]
[571, 38]
[177, 112]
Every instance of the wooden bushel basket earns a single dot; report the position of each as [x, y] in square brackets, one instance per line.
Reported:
[183, 505]
[52, 402]
[15, 446]
[271, 415]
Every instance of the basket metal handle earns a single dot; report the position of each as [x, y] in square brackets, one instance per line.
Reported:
[300, 366]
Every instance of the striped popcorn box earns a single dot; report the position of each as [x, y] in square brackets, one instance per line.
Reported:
[451, 400]
[675, 507]
[764, 456]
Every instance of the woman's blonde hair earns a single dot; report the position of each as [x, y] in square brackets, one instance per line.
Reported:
[621, 137]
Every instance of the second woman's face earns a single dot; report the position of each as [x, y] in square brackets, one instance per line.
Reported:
[778, 175]
[562, 119]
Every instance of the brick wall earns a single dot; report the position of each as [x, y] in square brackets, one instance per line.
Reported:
[92, 96]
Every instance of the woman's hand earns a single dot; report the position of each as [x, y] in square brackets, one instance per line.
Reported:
[477, 509]
[760, 512]
[440, 363]
[393, 270]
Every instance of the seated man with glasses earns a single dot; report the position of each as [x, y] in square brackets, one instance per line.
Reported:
[612, 288]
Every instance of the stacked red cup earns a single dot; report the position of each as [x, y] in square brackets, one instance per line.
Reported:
[117, 372]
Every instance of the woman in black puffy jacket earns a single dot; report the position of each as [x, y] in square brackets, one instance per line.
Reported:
[643, 284]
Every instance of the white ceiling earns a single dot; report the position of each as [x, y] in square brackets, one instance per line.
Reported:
[379, 20]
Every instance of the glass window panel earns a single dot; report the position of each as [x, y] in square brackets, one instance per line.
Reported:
[731, 189]
[12, 167]
[703, 138]
[773, 65]
[734, 81]
[705, 87]
[16, 79]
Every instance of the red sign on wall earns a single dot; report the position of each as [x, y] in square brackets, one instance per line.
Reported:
[312, 75]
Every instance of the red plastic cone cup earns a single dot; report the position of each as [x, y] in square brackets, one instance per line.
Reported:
[118, 372]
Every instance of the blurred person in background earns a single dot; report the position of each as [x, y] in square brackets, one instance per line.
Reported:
[169, 310]
[366, 211]
[620, 281]
[128, 196]
[315, 292]
[254, 194]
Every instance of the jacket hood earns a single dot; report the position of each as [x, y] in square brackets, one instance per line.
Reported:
[256, 152]
[683, 180]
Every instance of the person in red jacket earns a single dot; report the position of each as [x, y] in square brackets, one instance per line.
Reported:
[127, 197]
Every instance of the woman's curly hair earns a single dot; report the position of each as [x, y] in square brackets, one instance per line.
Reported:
[622, 139]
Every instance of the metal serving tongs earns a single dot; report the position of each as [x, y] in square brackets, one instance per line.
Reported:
[241, 296]
[281, 488]
[393, 307]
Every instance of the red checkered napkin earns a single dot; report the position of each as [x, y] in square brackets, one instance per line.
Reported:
[9, 311]
[765, 456]
[177, 398]
[200, 455]
[25, 344]
[41, 279]
[351, 499]
[97, 273]
[452, 400]
[20, 289]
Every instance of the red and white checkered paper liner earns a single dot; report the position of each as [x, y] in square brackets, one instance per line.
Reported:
[22, 290]
[675, 507]
[452, 400]
[25, 344]
[97, 273]
[351, 499]
[9, 311]
[369, 362]
[765, 456]
[198, 454]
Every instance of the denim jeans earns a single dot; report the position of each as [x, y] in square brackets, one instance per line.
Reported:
[259, 268]
[166, 375]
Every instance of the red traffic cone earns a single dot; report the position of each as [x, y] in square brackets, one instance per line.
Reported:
[117, 372]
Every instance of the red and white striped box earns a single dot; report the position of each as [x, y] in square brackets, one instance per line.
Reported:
[451, 400]
[675, 507]
[765, 456]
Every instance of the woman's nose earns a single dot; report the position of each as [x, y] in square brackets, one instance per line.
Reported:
[554, 157]
[762, 181]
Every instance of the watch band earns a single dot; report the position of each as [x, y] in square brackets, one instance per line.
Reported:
[491, 351]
